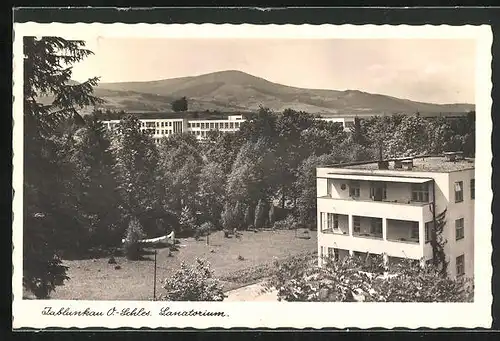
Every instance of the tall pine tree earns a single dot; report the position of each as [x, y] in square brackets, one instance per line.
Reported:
[47, 75]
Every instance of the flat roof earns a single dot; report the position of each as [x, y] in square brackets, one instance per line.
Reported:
[380, 178]
[437, 164]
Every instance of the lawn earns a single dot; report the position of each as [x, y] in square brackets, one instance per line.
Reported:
[95, 279]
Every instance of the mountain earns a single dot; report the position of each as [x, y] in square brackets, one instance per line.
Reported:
[238, 91]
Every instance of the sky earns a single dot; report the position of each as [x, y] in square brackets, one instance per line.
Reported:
[427, 70]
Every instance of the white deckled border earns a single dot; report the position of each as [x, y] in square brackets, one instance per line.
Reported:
[27, 313]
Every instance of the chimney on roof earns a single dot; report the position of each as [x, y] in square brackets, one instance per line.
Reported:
[383, 164]
[407, 164]
[454, 156]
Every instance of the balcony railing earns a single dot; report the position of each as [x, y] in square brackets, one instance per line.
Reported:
[415, 211]
[368, 235]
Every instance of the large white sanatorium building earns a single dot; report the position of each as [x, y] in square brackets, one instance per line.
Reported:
[389, 207]
[160, 127]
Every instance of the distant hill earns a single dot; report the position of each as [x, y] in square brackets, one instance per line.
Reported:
[238, 91]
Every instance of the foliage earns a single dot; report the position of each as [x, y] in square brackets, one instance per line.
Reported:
[193, 283]
[438, 243]
[211, 191]
[95, 184]
[180, 104]
[205, 229]
[180, 163]
[187, 221]
[136, 169]
[361, 279]
[50, 208]
[132, 246]
[288, 223]
[305, 186]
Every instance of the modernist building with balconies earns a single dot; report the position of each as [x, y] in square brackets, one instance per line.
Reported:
[390, 207]
[161, 127]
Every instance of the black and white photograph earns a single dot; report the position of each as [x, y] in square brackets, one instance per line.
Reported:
[179, 170]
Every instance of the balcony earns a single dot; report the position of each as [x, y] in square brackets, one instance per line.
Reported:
[372, 244]
[396, 238]
[408, 210]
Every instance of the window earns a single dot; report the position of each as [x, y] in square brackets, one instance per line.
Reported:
[226, 125]
[378, 191]
[459, 229]
[231, 125]
[356, 222]
[157, 132]
[203, 126]
[428, 231]
[460, 263]
[420, 192]
[354, 189]
[472, 188]
[414, 232]
[157, 124]
[333, 221]
[376, 226]
[459, 191]
[331, 252]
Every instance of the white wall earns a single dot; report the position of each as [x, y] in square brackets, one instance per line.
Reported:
[465, 210]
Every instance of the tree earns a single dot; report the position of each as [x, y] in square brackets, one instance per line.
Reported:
[132, 245]
[180, 164]
[379, 130]
[136, 168]
[47, 74]
[193, 283]
[251, 175]
[187, 221]
[305, 186]
[232, 216]
[95, 182]
[410, 137]
[249, 216]
[180, 104]
[211, 191]
[260, 215]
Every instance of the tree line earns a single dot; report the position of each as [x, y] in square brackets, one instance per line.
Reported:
[84, 186]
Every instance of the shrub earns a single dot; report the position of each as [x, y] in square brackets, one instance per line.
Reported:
[205, 228]
[193, 283]
[134, 234]
[240, 257]
[187, 221]
[288, 223]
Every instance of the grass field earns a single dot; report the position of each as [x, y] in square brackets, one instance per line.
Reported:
[95, 279]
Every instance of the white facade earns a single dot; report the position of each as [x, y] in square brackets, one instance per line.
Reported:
[161, 127]
[347, 122]
[391, 211]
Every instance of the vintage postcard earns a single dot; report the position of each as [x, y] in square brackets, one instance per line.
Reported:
[257, 176]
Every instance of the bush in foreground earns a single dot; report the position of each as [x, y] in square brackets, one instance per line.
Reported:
[193, 283]
[356, 279]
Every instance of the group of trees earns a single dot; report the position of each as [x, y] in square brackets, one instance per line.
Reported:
[85, 186]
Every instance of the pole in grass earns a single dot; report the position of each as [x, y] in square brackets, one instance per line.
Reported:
[154, 284]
